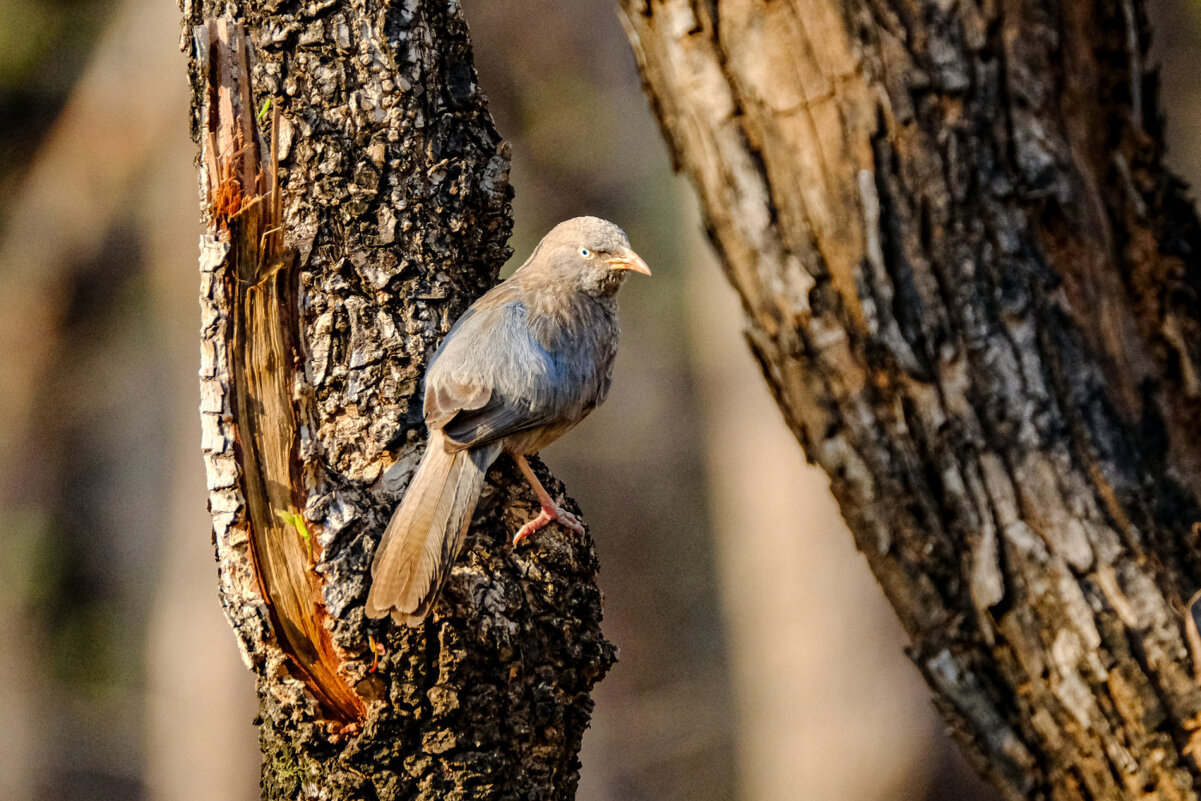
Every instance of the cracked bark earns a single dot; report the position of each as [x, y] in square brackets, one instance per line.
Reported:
[341, 244]
[973, 288]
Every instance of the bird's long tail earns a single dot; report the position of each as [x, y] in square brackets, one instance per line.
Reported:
[427, 531]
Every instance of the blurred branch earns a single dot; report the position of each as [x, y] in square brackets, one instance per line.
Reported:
[66, 204]
[58, 222]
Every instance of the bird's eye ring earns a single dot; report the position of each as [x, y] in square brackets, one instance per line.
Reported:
[585, 252]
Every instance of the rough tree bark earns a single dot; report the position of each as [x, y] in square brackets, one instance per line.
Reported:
[340, 247]
[973, 288]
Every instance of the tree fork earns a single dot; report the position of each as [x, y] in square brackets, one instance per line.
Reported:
[973, 289]
[335, 259]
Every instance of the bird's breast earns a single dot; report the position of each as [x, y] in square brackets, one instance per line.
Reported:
[579, 343]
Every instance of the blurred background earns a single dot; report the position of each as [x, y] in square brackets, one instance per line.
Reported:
[758, 659]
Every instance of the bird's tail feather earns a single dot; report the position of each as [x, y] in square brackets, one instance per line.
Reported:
[427, 530]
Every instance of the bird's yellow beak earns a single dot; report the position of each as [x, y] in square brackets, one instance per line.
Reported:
[627, 259]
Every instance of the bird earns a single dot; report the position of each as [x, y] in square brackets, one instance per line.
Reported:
[523, 365]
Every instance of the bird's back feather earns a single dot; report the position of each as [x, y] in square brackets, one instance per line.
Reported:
[517, 362]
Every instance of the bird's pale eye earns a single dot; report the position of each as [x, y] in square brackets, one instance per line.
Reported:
[585, 252]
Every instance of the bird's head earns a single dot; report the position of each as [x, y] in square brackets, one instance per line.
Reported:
[592, 253]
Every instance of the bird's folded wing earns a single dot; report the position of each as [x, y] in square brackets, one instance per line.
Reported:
[498, 419]
[491, 377]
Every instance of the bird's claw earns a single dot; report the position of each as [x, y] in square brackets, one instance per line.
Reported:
[568, 520]
[549, 514]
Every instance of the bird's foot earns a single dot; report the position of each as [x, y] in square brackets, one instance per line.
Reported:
[549, 514]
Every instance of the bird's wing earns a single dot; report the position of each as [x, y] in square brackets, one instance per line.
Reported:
[498, 419]
[491, 376]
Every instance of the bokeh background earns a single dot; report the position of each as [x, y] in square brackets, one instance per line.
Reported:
[759, 661]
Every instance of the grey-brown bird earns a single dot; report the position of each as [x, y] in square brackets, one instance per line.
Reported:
[525, 363]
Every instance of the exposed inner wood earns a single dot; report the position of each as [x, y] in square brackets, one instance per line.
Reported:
[264, 358]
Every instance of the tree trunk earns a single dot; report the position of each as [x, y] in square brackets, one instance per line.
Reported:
[972, 287]
[338, 252]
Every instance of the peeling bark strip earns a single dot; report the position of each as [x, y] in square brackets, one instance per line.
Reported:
[326, 283]
[258, 279]
[974, 290]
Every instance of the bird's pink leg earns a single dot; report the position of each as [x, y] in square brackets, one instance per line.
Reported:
[551, 513]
